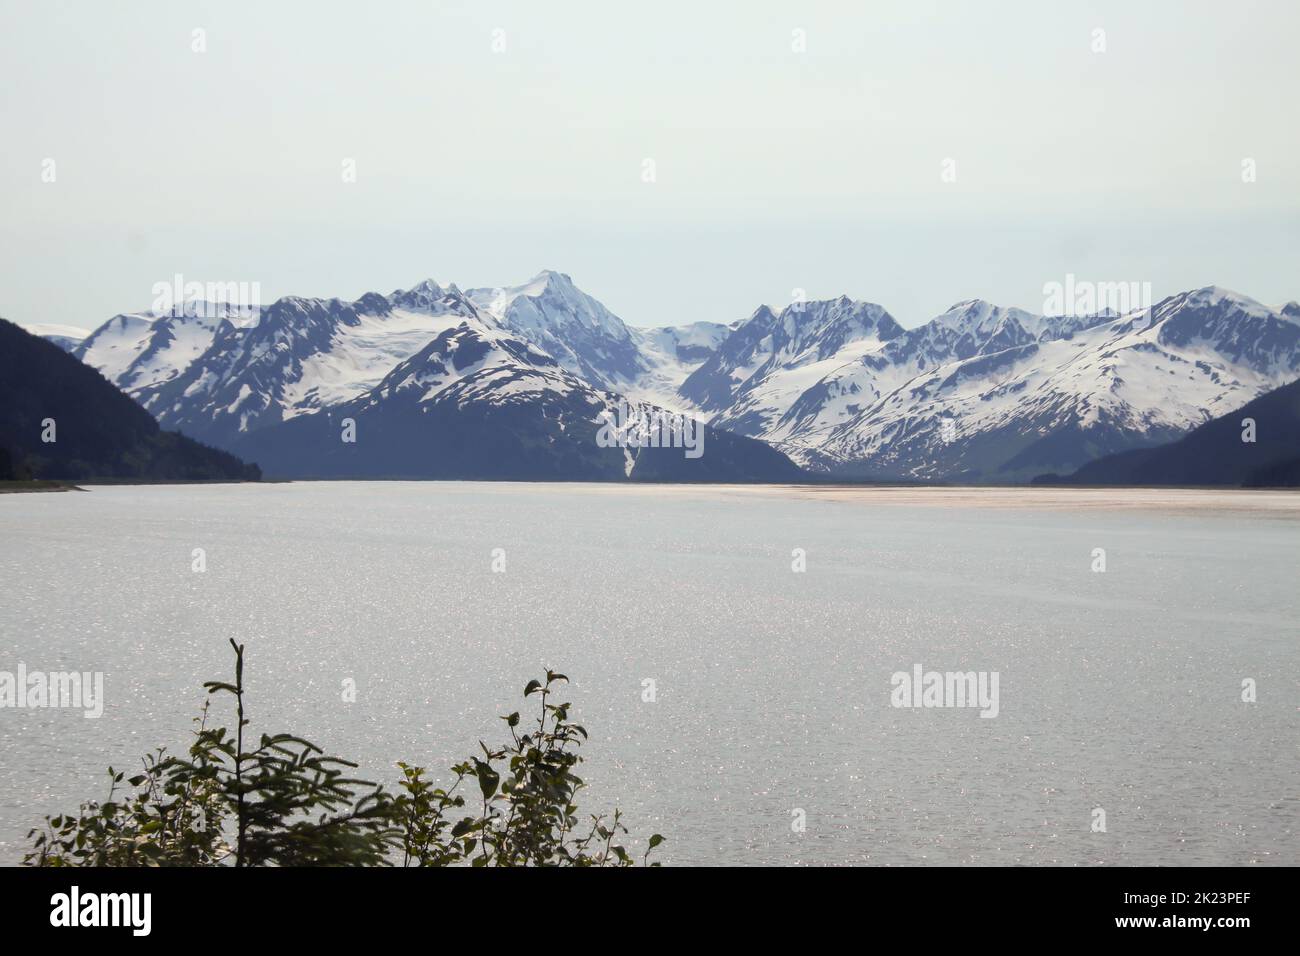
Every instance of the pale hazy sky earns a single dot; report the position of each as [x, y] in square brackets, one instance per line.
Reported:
[775, 169]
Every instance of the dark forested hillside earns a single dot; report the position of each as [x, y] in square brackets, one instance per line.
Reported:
[98, 431]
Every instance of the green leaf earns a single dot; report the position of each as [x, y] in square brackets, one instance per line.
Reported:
[488, 779]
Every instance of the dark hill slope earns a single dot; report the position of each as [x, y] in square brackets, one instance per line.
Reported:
[99, 431]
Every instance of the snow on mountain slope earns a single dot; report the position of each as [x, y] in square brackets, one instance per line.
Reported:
[471, 364]
[215, 379]
[763, 366]
[302, 355]
[980, 393]
[688, 346]
[457, 353]
[670, 354]
[596, 345]
[577, 330]
[171, 345]
[141, 349]
[66, 337]
[968, 329]
[480, 402]
[117, 343]
[1053, 393]
[362, 354]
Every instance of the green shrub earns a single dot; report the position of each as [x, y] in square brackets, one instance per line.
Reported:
[285, 803]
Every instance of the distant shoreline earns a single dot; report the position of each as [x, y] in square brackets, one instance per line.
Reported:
[1277, 502]
[37, 485]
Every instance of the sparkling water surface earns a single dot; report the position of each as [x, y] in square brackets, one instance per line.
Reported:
[1119, 690]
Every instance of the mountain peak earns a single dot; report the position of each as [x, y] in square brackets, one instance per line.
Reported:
[431, 296]
[1212, 297]
[547, 281]
[819, 311]
[971, 313]
[1216, 292]
[968, 305]
[424, 290]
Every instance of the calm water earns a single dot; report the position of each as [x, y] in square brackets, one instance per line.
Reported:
[1119, 690]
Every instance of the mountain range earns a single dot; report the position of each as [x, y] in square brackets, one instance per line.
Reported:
[450, 380]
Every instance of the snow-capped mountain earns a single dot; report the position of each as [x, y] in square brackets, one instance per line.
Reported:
[980, 393]
[593, 343]
[772, 359]
[480, 402]
[301, 355]
[436, 385]
[216, 379]
[990, 394]
[579, 332]
[968, 331]
[143, 349]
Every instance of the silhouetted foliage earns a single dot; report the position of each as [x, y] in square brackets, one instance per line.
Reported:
[285, 803]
